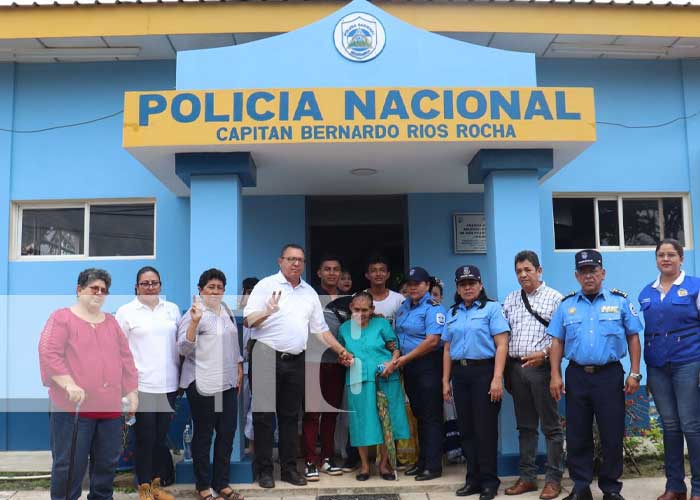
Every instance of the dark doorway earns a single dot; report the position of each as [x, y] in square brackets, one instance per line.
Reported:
[355, 227]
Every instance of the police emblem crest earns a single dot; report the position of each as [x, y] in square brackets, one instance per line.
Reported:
[440, 319]
[359, 37]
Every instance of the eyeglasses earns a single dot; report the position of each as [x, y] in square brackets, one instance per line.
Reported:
[294, 260]
[149, 284]
[98, 290]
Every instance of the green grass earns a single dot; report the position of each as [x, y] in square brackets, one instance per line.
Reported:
[123, 482]
[24, 484]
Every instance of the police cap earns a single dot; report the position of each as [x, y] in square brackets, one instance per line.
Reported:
[586, 258]
[418, 274]
[467, 273]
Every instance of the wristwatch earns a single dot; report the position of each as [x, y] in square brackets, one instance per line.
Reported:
[636, 376]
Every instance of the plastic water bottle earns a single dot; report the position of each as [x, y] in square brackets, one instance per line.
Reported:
[128, 420]
[187, 445]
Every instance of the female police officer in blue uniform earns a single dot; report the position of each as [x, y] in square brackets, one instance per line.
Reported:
[672, 353]
[419, 324]
[476, 345]
[594, 328]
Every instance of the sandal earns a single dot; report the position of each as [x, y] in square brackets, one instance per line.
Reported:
[199, 496]
[231, 495]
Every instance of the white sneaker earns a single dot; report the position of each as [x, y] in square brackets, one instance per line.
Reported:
[311, 472]
[328, 466]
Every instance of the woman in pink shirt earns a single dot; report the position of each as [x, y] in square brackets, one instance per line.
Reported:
[86, 363]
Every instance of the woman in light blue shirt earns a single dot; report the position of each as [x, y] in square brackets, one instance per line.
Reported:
[474, 356]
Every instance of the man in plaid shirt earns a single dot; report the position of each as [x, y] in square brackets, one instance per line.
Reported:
[528, 311]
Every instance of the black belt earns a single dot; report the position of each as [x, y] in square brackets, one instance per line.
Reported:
[514, 359]
[472, 362]
[287, 356]
[593, 368]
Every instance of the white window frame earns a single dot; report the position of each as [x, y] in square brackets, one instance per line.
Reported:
[687, 218]
[19, 206]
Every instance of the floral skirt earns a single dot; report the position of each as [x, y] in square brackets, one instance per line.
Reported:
[365, 424]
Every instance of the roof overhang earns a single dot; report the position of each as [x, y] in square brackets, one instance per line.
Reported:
[665, 18]
[309, 115]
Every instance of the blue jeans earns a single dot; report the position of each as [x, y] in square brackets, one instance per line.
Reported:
[677, 397]
[98, 440]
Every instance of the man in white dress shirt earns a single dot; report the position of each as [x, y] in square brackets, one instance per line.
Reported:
[283, 309]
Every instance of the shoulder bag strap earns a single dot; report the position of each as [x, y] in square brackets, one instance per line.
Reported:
[539, 318]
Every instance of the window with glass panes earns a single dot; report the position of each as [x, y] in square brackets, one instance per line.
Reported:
[85, 229]
[618, 220]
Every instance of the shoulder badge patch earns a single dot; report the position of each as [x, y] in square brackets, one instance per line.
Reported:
[440, 319]
[615, 291]
[633, 310]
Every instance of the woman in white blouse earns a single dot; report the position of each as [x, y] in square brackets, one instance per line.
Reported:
[211, 373]
[150, 324]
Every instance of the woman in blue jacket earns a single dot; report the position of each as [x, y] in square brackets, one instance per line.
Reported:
[671, 308]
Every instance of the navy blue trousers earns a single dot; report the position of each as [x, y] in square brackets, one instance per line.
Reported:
[478, 423]
[99, 443]
[600, 395]
[423, 382]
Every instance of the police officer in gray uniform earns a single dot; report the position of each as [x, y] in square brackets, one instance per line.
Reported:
[594, 328]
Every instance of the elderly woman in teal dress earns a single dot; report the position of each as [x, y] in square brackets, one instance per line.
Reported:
[373, 343]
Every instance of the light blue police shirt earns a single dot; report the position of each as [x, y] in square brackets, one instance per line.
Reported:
[415, 322]
[470, 330]
[594, 333]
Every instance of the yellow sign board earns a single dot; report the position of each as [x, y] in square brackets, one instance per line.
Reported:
[334, 115]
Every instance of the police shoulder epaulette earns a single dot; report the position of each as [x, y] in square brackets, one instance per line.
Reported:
[433, 303]
[615, 291]
[569, 295]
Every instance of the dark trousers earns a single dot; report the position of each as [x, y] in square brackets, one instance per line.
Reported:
[534, 406]
[600, 395]
[209, 414]
[423, 383]
[352, 452]
[289, 395]
[151, 427]
[478, 422]
[99, 440]
[332, 380]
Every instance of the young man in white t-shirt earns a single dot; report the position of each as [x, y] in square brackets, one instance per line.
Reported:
[386, 302]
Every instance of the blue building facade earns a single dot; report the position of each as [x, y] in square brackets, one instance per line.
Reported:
[221, 218]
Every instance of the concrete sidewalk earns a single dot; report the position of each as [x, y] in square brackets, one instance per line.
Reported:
[438, 489]
[634, 489]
